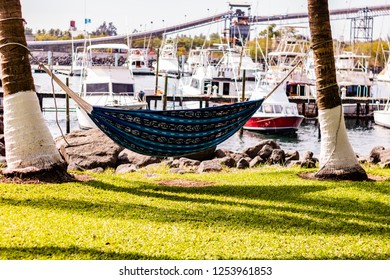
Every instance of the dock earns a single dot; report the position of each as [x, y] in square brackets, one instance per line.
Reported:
[359, 107]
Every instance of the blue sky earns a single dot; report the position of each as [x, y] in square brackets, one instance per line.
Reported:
[128, 15]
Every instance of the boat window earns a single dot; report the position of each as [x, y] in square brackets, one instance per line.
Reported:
[289, 110]
[91, 88]
[122, 88]
[267, 108]
[278, 108]
[194, 83]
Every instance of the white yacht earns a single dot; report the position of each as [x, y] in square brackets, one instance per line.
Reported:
[107, 81]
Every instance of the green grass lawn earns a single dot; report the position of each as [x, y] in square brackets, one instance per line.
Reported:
[262, 213]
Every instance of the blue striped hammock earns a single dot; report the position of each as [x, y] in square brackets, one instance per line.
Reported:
[168, 133]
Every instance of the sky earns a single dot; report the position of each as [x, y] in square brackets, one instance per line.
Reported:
[128, 15]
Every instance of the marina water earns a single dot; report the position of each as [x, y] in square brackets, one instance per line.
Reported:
[363, 134]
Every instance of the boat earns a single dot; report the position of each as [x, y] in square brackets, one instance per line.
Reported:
[382, 117]
[353, 79]
[107, 81]
[289, 52]
[138, 62]
[235, 61]
[277, 114]
[168, 63]
[211, 76]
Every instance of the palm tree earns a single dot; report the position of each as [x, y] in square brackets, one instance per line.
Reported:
[29, 145]
[337, 158]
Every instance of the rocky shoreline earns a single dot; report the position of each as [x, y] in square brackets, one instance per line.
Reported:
[92, 150]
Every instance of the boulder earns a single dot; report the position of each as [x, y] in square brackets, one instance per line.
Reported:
[88, 149]
[210, 166]
[291, 155]
[186, 163]
[265, 152]
[256, 161]
[384, 155]
[227, 161]
[375, 154]
[307, 156]
[125, 168]
[254, 150]
[242, 163]
[127, 156]
[221, 153]
[277, 157]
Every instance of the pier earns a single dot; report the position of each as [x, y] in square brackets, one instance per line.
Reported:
[362, 107]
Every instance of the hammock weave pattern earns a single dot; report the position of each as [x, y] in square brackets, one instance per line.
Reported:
[174, 132]
[169, 133]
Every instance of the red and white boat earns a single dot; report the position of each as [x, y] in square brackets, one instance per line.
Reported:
[277, 114]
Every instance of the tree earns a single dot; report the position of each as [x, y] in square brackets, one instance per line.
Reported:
[30, 148]
[104, 30]
[337, 158]
[270, 30]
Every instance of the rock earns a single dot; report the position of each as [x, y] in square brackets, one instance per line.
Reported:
[384, 155]
[175, 163]
[256, 161]
[209, 166]
[179, 171]
[188, 163]
[277, 157]
[221, 153]
[307, 156]
[88, 149]
[308, 164]
[254, 150]
[290, 163]
[74, 167]
[291, 155]
[242, 164]
[237, 156]
[127, 156]
[227, 161]
[265, 152]
[96, 170]
[375, 152]
[125, 168]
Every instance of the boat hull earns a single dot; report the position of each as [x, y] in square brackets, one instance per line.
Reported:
[382, 118]
[274, 123]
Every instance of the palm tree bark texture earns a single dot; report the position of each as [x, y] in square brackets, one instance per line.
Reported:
[29, 145]
[337, 158]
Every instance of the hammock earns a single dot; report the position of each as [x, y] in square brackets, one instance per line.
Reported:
[168, 133]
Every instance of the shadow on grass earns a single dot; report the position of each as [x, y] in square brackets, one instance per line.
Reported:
[267, 208]
[73, 252]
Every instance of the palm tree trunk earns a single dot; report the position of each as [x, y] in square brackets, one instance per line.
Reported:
[337, 158]
[29, 145]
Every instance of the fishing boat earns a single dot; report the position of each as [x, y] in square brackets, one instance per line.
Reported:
[213, 75]
[107, 81]
[382, 117]
[277, 114]
[138, 62]
[167, 61]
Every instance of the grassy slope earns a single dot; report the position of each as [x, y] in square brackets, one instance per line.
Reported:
[265, 213]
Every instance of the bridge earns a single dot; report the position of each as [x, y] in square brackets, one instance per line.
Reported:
[350, 13]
